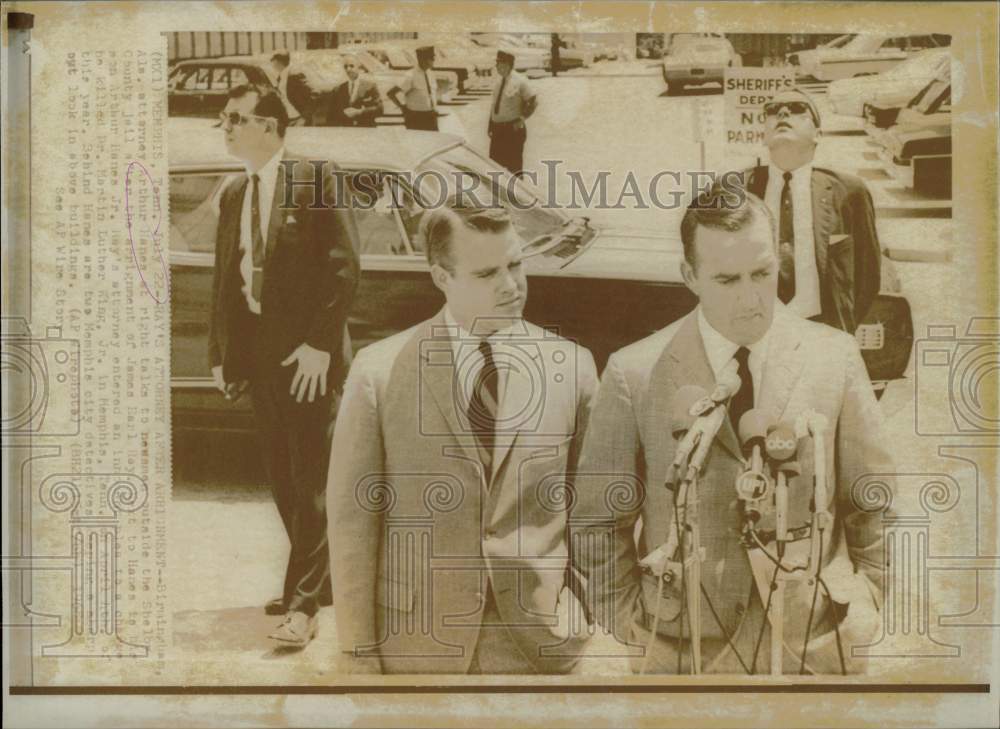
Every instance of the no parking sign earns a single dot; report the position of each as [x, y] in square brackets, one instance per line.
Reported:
[745, 92]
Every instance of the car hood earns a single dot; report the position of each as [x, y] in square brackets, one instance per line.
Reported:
[619, 253]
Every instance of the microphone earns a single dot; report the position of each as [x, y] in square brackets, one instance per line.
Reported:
[709, 423]
[782, 445]
[687, 404]
[752, 484]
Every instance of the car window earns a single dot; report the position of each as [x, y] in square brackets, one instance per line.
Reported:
[490, 186]
[378, 231]
[220, 79]
[237, 77]
[187, 79]
[194, 211]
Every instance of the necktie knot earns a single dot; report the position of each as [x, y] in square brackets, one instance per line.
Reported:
[742, 357]
[486, 350]
[787, 176]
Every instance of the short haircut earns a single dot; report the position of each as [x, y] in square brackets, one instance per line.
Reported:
[269, 103]
[425, 52]
[437, 229]
[281, 57]
[723, 208]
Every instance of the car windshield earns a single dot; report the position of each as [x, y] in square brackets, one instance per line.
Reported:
[839, 41]
[456, 165]
[863, 44]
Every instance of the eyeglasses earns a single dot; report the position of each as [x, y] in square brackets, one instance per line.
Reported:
[235, 119]
[773, 108]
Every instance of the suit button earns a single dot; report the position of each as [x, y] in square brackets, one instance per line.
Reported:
[479, 596]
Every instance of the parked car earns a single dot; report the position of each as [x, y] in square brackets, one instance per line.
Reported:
[603, 286]
[331, 62]
[695, 59]
[864, 55]
[526, 58]
[838, 42]
[200, 87]
[933, 98]
[916, 150]
[464, 50]
[894, 87]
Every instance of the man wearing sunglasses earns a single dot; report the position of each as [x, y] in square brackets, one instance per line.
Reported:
[356, 102]
[285, 276]
[830, 259]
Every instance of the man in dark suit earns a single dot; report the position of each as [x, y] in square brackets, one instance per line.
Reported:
[293, 89]
[356, 102]
[787, 368]
[830, 259]
[285, 276]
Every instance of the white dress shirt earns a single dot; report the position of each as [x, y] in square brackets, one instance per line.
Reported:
[268, 182]
[469, 360]
[415, 88]
[806, 302]
[721, 352]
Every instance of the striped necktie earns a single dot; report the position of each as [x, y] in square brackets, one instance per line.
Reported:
[483, 406]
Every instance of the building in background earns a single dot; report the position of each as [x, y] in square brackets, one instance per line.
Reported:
[204, 44]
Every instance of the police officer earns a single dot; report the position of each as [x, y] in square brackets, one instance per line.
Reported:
[513, 101]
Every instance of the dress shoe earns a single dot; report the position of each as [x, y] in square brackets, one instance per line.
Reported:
[275, 607]
[297, 630]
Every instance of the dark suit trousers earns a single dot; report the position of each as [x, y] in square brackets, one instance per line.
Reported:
[507, 146]
[295, 444]
[424, 120]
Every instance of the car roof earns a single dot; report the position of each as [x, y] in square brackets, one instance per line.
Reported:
[254, 60]
[198, 143]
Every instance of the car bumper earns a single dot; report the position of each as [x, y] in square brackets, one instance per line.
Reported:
[694, 75]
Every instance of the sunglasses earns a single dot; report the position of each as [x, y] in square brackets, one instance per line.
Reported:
[235, 119]
[773, 108]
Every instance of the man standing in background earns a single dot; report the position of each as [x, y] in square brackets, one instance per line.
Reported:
[512, 102]
[283, 283]
[356, 102]
[829, 255]
[419, 105]
[292, 89]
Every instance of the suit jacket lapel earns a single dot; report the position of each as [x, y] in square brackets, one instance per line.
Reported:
[823, 219]
[519, 386]
[277, 218]
[783, 366]
[436, 358]
[233, 240]
[686, 363]
[758, 181]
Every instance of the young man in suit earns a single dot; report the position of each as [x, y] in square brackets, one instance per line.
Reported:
[285, 275]
[829, 256]
[419, 90]
[356, 102]
[448, 474]
[787, 366]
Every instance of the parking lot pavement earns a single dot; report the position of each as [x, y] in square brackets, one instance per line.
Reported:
[234, 545]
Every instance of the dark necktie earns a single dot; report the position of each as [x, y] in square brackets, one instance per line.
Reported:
[786, 247]
[483, 406]
[496, 106]
[430, 94]
[743, 399]
[257, 280]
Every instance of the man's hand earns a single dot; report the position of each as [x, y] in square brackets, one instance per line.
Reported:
[519, 124]
[350, 112]
[220, 384]
[310, 377]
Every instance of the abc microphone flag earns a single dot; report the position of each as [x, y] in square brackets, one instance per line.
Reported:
[781, 443]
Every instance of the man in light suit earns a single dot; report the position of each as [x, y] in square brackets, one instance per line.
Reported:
[447, 483]
[787, 366]
[285, 276]
[356, 102]
[829, 254]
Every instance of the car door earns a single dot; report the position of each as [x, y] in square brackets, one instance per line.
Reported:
[194, 215]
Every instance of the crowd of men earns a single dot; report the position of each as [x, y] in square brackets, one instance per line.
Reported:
[444, 506]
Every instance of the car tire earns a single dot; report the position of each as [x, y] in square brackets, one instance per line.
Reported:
[674, 88]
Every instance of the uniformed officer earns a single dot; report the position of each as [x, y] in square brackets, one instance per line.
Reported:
[419, 105]
[513, 101]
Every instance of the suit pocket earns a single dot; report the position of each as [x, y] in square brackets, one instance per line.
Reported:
[394, 594]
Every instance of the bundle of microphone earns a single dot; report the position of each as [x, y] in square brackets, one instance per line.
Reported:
[769, 474]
